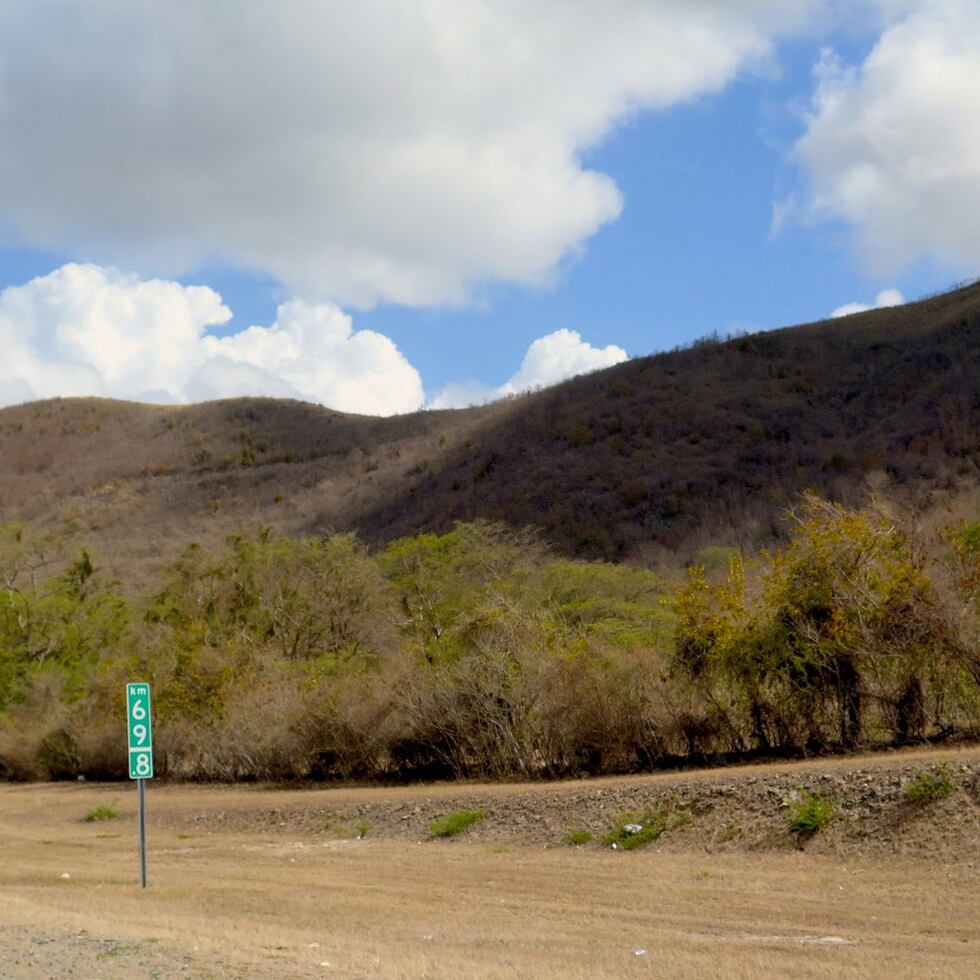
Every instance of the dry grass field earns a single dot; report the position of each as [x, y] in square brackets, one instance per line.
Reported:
[244, 882]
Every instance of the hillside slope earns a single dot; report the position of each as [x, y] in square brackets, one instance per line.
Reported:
[705, 444]
[716, 440]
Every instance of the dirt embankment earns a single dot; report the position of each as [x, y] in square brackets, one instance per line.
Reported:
[870, 809]
[262, 882]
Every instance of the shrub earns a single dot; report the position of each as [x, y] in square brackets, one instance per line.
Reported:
[455, 823]
[104, 811]
[927, 787]
[576, 837]
[810, 814]
[633, 832]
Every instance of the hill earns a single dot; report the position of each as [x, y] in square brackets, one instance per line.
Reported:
[680, 450]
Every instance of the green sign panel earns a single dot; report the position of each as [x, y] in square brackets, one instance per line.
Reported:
[140, 731]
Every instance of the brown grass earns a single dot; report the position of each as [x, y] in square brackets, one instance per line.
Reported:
[272, 902]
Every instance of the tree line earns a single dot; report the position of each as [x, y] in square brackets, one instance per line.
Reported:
[478, 653]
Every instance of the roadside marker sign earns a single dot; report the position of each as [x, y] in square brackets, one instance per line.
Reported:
[140, 731]
[140, 727]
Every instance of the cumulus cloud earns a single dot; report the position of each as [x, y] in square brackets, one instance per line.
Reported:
[314, 349]
[89, 330]
[358, 152]
[85, 330]
[893, 145]
[887, 297]
[548, 360]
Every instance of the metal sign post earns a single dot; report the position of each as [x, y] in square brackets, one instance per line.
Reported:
[140, 727]
[141, 820]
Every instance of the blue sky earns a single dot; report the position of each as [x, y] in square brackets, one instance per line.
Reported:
[342, 307]
[693, 251]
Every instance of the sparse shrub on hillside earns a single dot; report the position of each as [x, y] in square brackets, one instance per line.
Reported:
[634, 492]
[581, 437]
[634, 831]
[928, 787]
[576, 838]
[455, 823]
[811, 814]
[105, 811]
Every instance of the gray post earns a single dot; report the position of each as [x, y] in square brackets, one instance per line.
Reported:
[141, 819]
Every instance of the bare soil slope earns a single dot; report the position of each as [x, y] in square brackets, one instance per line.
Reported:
[744, 808]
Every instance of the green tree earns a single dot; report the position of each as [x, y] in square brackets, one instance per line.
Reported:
[310, 599]
[454, 588]
[840, 622]
[964, 562]
[56, 614]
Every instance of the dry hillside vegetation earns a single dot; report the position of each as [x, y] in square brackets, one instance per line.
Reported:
[480, 654]
[700, 446]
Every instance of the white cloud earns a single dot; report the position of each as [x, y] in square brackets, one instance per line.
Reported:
[893, 146]
[887, 297]
[85, 330]
[463, 394]
[561, 355]
[366, 151]
[314, 349]
[88, 330]
[548, 360]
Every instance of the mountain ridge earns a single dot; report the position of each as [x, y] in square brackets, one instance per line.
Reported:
[673, 451]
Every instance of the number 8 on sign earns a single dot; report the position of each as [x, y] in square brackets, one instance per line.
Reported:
[140, 731]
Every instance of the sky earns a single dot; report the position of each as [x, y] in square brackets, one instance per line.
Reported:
[399, 204]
